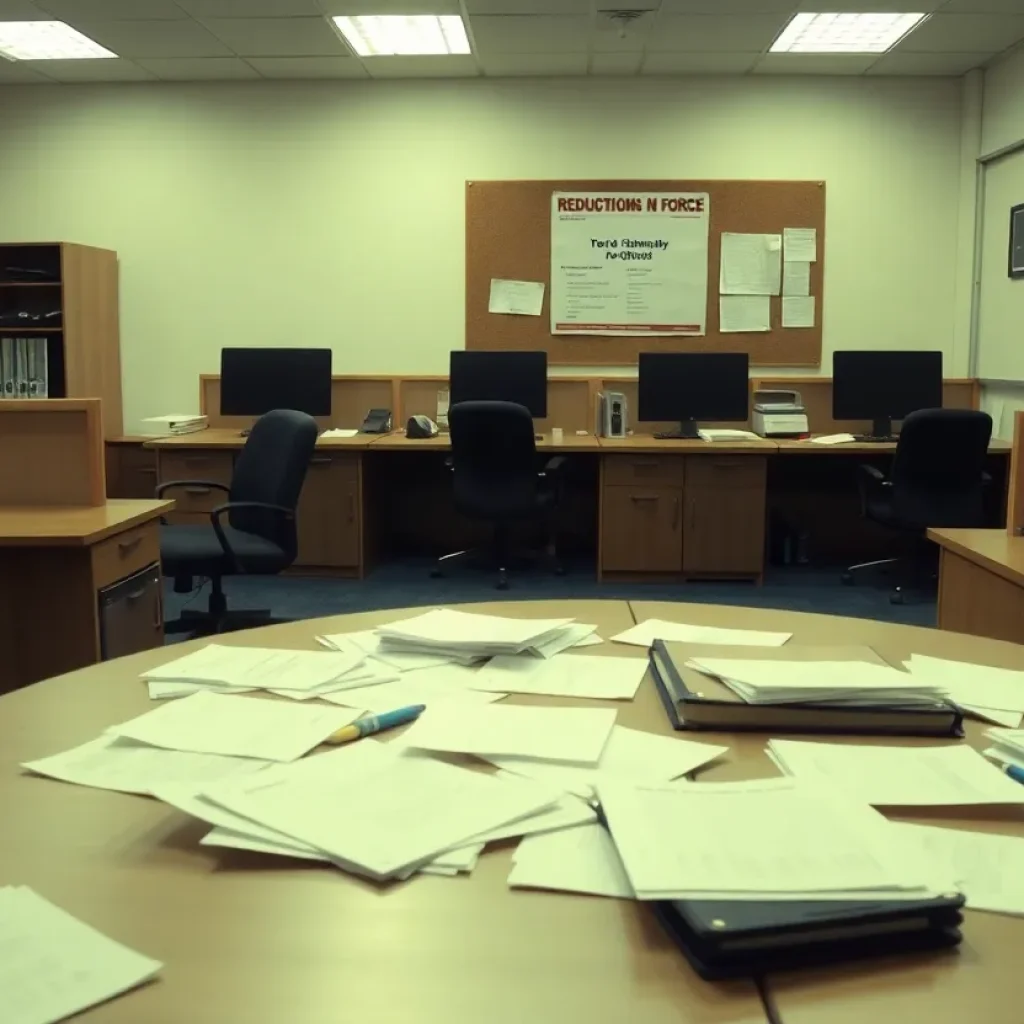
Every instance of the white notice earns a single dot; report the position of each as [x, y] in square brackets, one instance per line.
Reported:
[751, 264]
[798, 311]
[796, 279]
[741, 314]
[801, 245]
[629, 263]
[522, 298]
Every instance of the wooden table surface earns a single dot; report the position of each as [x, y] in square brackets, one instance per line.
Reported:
[648, 444]
[797, 447]
[994, 550]
[59, 527]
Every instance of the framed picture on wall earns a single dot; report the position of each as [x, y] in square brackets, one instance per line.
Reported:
[1017, 241]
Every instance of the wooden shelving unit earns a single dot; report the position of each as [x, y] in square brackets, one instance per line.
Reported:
[84, 342]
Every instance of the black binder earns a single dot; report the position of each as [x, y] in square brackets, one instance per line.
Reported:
[734, 939]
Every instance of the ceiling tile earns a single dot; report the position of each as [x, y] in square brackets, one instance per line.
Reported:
[278, 37]
[560, 33]
[308, 67]
[526, 65]
[155, 38]
[705, 33]
[613, 36]
[698, 63]
[538, 6]
[899, 63]
[815, 63]
[251, 8]
[984, 7]
[871, 6]
[198, 69]
[732, 6]
[21, 10]
[965, 33]
[14, 72]
[390, 7]
[451, 66]
[92, 70]
[74, 11]
[616, 63]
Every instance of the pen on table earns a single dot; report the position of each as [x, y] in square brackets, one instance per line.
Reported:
[1015, 773]
[377, 723]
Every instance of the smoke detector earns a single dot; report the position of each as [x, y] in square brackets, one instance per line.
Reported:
[621, 20]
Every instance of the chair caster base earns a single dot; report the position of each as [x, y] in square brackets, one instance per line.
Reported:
[502, 583]
[897, 597]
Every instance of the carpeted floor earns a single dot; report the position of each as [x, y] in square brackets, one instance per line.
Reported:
[407, 584]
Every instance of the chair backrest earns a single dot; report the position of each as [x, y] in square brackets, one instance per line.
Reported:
[494, 459]
[938, 473]
[272, 467]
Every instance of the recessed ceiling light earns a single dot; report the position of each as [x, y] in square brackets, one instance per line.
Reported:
[47, 40]
[389, 35]
[844, 33]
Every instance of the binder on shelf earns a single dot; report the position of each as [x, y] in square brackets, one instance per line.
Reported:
[7, 367]
[693, 700]
[21, 367]
[38, 375]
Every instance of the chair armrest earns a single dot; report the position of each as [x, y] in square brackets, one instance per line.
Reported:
[160, 488]
[986, 479]
[873, 474]
[554, 465]
[870, 480]
[230, 506]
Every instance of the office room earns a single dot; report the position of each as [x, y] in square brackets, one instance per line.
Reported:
[537, 384]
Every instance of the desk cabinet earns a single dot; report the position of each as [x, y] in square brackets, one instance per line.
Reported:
[131, 471]
[641, 529]
[329, 513]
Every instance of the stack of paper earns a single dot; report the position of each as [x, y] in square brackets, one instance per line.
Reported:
[778, 682]
[580, 859]
[367, 643]
[833, 439]
[898, 776]
[54, 966]
[176, 423]
[629, 756]
[1007, 746]
[729, 435]
[467, 637]
[645, 633]
[566, 676]
[209, 723]
[763, 840]
[299, 675]
[993, 694]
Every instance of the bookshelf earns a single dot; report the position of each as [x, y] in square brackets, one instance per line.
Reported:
[67, 294]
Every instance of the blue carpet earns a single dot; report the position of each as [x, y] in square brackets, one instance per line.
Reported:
[407, 583]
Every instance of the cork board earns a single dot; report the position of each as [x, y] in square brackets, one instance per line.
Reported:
[508, 235]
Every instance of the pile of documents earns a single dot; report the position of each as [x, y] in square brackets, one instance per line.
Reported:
[993, 694]
[54, 966]
[1007, 746]
[643, 634]
[169, 426]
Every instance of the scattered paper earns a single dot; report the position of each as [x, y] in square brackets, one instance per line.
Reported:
[645, 633]
[973, 686]
[801, 245]
[833, 439]
[739, 314]
[54, 966]
[523, 298]
[368, 643]
[796, 279]
[580, 859]
[327, 434]
[412, 688]
[751, 264]
[798, 311]
[578, 675]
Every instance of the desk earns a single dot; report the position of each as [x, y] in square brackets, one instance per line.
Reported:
[59, 573]
[787, 447]
[981, 583]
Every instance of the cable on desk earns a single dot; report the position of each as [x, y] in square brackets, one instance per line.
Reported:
[771, 1009]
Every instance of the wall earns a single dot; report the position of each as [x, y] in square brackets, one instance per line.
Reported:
[332, 213]
[1003, 123]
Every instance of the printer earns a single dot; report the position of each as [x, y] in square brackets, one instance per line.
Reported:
[779, 414]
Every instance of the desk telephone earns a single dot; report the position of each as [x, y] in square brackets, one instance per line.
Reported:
[378, 421]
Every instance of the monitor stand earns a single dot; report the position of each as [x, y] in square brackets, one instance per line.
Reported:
[687, 432]
[881, 432]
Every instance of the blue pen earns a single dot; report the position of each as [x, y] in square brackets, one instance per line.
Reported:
[1015, 773]
[377, 723]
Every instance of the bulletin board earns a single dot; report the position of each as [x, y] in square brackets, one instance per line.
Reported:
[508, 235]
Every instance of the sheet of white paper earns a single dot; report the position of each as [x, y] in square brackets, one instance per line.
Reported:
[367, 642]
[796, 279]
[53, 966]
[1007, 719]
[166, 691]
[798, 311]
[580, 859]
[751, 264]
[209, 723]
[645, 633]
[452, 629]
[743, 314]
[409, 690]
[556, 734]
[900, 776]
[801, 245]
[339, 433]
[576, 634]
[229, 839]
[833, 439]
[523, 298]
[564, 813]
[577, 675]
[631, 755]
[982, 686]
[129, 767]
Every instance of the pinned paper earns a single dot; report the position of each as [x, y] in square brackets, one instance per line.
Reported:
[751, 264]
[798, 311]
[796, 279]
[520, 298]
[801, 245]
[738, 314]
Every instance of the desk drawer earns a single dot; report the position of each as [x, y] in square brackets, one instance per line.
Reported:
[725, 472]
[341, 467]
[131, 615]
[196, 464]
[644, 469]
[117, 557]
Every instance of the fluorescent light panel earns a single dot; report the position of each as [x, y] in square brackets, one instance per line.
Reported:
[845, 33]
[405, 35]
[47, 40]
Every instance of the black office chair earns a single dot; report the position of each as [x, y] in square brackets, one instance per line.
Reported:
[496, 478]
[938, 478]
[259, 536]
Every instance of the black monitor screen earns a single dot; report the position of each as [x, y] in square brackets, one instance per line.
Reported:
[256, 380]
[520, 377]
[885, 385]
[693, 386]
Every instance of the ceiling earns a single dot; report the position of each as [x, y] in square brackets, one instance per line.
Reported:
[204, 40]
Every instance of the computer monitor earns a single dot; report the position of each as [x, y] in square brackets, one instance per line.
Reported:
[885, 386]
[692, 386]
[520, 377]
[255, 380]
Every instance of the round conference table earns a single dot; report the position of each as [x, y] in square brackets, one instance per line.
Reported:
[252, 939]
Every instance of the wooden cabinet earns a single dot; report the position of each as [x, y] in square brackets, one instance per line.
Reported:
[329, 513]
[641, 529]
[195, 464]
[131, 471]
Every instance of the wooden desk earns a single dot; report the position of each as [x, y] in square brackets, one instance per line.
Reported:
[250, 939]
[981, 583]
[788, 447]
[397, 441]
[77, 584]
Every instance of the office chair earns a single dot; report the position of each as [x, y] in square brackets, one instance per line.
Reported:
[259, 536]
[938, 478]
[495, 477]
